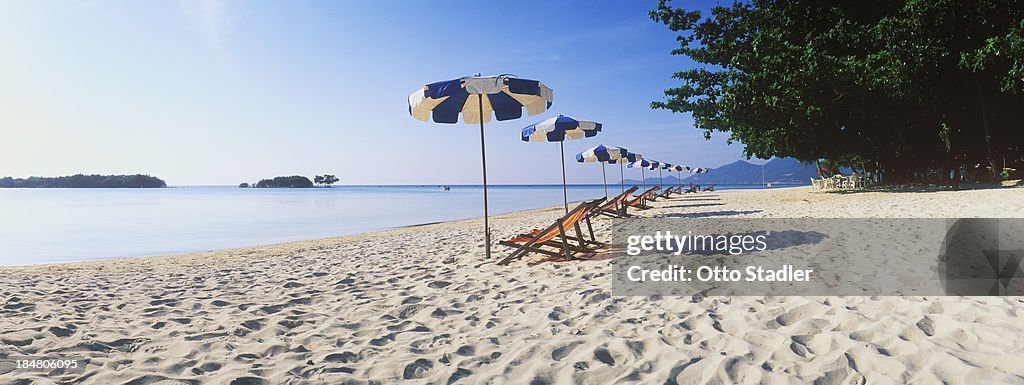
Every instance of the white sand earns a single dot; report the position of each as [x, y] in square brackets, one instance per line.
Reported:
[419, 305]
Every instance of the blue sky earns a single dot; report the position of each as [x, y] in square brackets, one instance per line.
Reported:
[221, 92]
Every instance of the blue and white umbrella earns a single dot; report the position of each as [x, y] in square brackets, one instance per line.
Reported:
[476, 98]
[479, 96]
[656, 165]
[628, 158]
[603, 154]
[642, 164]
[698, 171]
[664, 166]
[559, 129]
[679, 173]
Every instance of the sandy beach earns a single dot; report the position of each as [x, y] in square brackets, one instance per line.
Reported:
[420, 305]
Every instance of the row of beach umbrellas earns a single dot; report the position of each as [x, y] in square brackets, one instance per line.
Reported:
[478, 97]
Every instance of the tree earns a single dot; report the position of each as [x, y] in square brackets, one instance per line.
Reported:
[295, 181]
[85, 181]
[319, 179]
[881, 85]
[329, 179]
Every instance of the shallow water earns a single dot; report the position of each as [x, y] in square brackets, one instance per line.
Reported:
[64, 225]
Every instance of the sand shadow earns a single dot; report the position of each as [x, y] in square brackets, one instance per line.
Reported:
[695, 199]
[694, 205]
[705, 214]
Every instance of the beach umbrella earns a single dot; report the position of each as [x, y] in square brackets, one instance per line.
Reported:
[664, 166]
[655, 165]
[559, 129]
[476, 98]
[628, 158]
[679, 173]
[603, 154]
[641, 164]
[698, 171]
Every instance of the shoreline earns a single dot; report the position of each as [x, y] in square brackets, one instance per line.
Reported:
[284, 247]
[275, 248]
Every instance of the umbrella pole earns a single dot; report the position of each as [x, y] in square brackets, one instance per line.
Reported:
[661, 181]
[643, 177]
[622, 179]
[565, 195]
[483, 162]
[605, 179]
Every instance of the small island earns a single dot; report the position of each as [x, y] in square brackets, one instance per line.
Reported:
[84, 181]
[294, 181]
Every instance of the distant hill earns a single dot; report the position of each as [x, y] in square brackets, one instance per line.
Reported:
[84, 181]
[777, 171]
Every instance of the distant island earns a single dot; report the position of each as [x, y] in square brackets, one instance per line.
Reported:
[294, 181]
[84, 181]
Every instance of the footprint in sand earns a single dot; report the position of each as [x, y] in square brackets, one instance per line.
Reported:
[343, 357]
[248, 381]
[417, 369]
[459, 374]
[602, 354]
[560, 353]
[63, 331]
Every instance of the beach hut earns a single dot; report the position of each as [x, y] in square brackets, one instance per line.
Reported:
[476, 98]
[559, 129]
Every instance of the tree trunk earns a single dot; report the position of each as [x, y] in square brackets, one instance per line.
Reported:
[986, 129]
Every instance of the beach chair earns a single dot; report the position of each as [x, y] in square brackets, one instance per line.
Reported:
[653, 196]
[616, 207]
[556, 236]
[710, 188]
[640, 201]
[665, 194]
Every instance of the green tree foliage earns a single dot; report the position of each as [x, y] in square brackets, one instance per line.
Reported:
[296, 181]
[902, 88]
[325, 180]
[329, 179]
[84, 181]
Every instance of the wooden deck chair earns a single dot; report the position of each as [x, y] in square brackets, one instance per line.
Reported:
[665, 194]
[653, 196]
[640, 201]
[556, 236]
[616, 207]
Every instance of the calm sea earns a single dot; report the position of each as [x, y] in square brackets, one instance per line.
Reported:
[64, 225]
